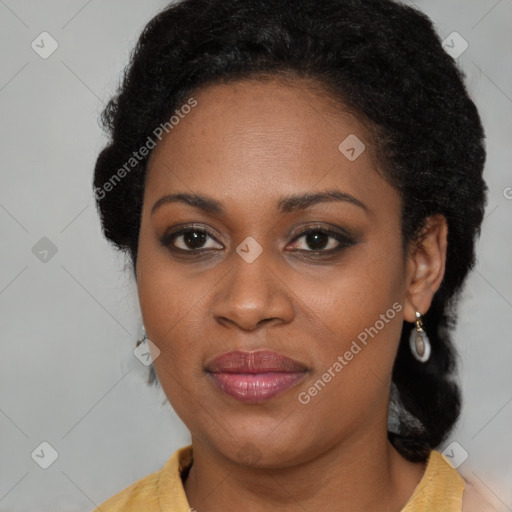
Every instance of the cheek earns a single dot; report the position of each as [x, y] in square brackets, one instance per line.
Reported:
[353, 295]
[358, 313]
[169, 299]
[170, 303]
[361, 324]
[361, 319]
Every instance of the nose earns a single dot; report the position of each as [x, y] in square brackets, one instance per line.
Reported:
[252, 294]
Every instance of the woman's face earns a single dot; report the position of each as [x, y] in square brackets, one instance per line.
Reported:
[246, 277]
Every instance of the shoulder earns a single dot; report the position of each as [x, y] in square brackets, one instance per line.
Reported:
[440, 488]
[161, 490]
[139, 494]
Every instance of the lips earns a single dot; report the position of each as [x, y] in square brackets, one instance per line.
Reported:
[254, 376]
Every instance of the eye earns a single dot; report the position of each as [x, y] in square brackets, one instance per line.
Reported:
[188, 239]
[318, 239]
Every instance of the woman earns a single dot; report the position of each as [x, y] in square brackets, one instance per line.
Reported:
[299, 189]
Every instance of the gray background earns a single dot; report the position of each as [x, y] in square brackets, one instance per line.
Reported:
[69, 324]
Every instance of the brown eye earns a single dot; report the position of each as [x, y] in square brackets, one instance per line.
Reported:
[323, 240]
[194, 239]
[317, 240]
[188, 240]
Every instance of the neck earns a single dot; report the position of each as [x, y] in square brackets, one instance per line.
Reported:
[361, 473]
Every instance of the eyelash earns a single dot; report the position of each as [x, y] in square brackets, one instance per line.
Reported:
[344, 240]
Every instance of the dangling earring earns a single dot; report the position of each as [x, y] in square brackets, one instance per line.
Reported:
[418, 341]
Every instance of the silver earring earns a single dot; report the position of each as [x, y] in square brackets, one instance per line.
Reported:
[419, 342]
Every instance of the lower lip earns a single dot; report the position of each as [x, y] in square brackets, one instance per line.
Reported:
[255, 387]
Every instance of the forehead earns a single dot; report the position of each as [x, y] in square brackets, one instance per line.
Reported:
[252, 142]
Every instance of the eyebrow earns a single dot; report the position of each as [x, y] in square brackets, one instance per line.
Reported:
[285, 205]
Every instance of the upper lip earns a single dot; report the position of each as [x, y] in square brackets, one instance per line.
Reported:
[254, 362]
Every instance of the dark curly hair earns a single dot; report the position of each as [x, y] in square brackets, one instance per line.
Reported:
[381, 60]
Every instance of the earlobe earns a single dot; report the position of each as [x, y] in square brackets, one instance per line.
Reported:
[425, 267]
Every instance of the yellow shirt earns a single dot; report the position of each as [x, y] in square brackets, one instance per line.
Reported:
[439, 490]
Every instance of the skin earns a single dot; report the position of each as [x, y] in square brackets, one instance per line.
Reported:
[247, 145]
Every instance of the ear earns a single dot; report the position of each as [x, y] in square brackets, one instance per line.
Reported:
[425, 267]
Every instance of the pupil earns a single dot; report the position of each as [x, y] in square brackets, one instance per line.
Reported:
[194, 240]
[314, 238]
